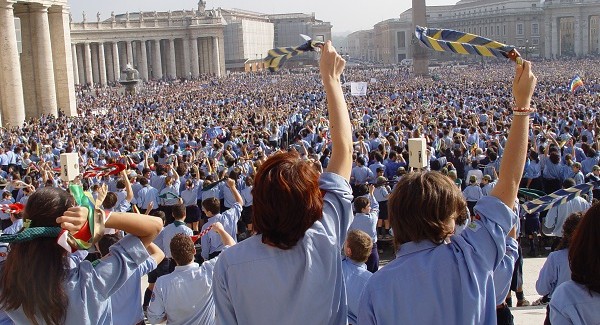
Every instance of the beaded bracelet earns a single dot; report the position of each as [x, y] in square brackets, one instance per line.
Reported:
[523, 111]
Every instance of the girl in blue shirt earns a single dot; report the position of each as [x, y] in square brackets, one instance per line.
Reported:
[577, 300]
[65, 295]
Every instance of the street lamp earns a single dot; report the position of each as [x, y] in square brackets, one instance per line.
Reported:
[526, 49]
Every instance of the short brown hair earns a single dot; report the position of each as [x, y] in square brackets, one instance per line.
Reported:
[422, 205]
[182, 249]
[360, 203]
[360, 245]
[178, 211]
[212, 205]
[286, 199]
[584, 259]
[110, 200]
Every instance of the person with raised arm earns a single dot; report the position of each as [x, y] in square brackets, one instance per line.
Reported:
[442, 278]
[300, 218]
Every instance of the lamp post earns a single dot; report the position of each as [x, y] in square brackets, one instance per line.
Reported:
[526, 49]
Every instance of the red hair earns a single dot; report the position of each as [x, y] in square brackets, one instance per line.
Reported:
[286, 199]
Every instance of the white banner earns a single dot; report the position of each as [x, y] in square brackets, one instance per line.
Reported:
[358, 88]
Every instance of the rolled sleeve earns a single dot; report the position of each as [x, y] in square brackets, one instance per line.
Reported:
[337, 210]
[114, 269]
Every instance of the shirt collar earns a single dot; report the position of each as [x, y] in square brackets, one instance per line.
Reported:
[361, 265]
[413, 247]
[186, 267]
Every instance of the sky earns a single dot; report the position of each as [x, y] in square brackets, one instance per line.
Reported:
[345, 16]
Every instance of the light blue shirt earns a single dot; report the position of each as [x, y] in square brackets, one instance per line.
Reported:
[158, 182]
[146, 195]
[255, 283]
[126, 302]
[163, 240]
[487, 188]
[367, 222]
[211, 242]
[122, 204]
[246, 194]
[89, 288]
[555, 271]
[558, 214]
[455, 279]
[356, 276]
[533, 170]
[190, 196]
[14, 228]
[361, 175]
[472, 193]
[504, 272]
[573, 303]
[185, 296]
[381, 193]
[170, 199]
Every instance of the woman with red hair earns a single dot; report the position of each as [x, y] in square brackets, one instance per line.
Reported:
[291, 271]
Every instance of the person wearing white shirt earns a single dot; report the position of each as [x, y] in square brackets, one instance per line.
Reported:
[185, 296]
[558, 214]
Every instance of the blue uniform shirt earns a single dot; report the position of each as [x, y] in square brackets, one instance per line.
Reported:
[89, 288]
[163, 240]
[356, 276]
[255, 283]
[573, 303]
[211, 242]
[125, 303]
[146, 195]
[455, 279]
[184, 297]
[472, 193]
[555, 271]
[367, 222]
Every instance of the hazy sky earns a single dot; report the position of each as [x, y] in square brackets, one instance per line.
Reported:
[346, 16]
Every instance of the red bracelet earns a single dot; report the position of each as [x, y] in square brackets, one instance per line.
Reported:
[523, 111]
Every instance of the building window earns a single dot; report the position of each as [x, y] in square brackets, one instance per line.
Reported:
[535, 29]
[498, 30]
[486, 31]
[520, 30]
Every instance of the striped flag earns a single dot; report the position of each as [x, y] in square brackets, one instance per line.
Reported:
[575, 84]
[559, 197]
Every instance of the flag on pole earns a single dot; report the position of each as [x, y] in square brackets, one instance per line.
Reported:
[575, 84]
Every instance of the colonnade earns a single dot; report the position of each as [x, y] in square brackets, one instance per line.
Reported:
[166, 58]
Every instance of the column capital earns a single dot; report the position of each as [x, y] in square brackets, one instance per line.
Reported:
[7, 4]
[39, 7]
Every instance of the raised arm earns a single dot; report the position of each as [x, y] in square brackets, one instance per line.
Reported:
[515, 153]
[236, 194]
[331, 66]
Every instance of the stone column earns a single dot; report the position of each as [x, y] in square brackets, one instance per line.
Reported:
[143, 61]
[171, 67]
[202, 56]
[547, 38]
[88, 64]
[206, 56]
[555, 41]
[75, 66]
[585, 34]
[95, 72]
[129, 53]
[156, 61]
[216, 57]
[420, 55]
[577, 31]
[115, 58]
[194, 57]
[110, 69]
[64, 60]
[102, 64]
[185, 44]
[44, 64]
[81, 65]
[11, 87]
[28, 71]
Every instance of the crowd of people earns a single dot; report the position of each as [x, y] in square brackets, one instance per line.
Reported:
[286, 183]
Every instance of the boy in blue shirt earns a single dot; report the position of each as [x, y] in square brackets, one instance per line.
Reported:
[357, 249]
[365, 219]
[452, 278]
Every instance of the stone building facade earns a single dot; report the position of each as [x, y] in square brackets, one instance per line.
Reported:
[178, 44]
[550, 28]
[37, 78]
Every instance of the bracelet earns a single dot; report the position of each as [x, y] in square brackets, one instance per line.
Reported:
[523, 111]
